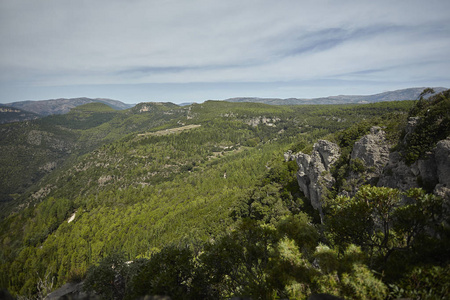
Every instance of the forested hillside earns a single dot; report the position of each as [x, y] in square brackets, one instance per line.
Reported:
[198, 202]
[62, 106]
[12, 114]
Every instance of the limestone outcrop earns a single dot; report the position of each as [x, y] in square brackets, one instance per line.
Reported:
[369, 156]
[422, 173]
[373, 150]
[314, 176]
[442, 157]
[373, 164]
[431, 172]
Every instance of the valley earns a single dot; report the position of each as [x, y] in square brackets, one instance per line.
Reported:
[205, 201]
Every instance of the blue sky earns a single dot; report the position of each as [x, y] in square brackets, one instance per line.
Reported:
[184, 51]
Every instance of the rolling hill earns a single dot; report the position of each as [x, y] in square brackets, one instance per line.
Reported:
[203, 201]
[62, 106]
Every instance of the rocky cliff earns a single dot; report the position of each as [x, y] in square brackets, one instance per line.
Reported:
[314, 176]
[373, 163]
[442, 156]
[373, 150]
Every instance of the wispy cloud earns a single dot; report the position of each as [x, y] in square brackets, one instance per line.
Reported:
[76, 43]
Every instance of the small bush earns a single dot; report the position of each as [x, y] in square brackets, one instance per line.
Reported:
[424, 283]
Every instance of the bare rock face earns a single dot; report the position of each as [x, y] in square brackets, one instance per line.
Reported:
[328, 152]
[368, 158]
[391, 170]
[423, 173]
[373, 150]
[410, 126]
[398, 175]
[314, 176]
[374, 164]
[442, 156]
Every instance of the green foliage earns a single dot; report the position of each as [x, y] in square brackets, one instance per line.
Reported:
[48, 216]
[299, 229]
[357, 165]
[395, 236]
[58, 141]
[208, 212]
[239, 263]
[430, 282]
[362, 284]
[168, 272]
[346, 276]
[364, 219]
[433, 125]
[108, 279]
[29, 151]
[346, 139]
[83, 117]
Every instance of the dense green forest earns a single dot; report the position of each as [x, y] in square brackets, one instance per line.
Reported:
[197, 202]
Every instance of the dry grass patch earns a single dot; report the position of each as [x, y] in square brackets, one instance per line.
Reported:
[169, 131]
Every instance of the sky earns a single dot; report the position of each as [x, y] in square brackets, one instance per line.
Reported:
[191, 51]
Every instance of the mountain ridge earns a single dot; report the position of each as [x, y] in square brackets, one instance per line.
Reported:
[402, 94]
[9, 114]
[63, 105]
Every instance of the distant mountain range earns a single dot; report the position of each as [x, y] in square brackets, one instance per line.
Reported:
[30, 110]
[62, 106]
[404, 94]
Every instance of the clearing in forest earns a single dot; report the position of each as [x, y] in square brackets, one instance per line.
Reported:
[169, 131]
